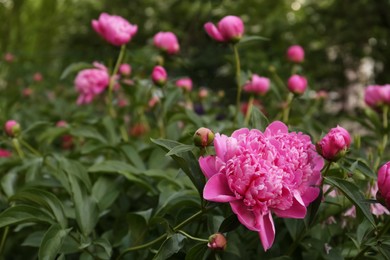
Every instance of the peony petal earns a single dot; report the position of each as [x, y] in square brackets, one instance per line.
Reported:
[245, 216]
[207, 164]
[297, 210]
[310, 195]
[275, 128]
[220, 142]
[267, 230]
[213, 32]
[217, 189]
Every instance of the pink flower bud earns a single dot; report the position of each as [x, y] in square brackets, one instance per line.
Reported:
[62, 123]
[376, 96]
[159, 76]
[125, 69]
[297, 84]
[229, 29]
[153, 101]
[334, 144]
[203, 93]
[166, 41]
[383, 194]
[37, 77]
[27, 92]
[114, 29]
[12, 128]
[184, 83]
[5, 153]
[203, 137]
[9, 57]
[257, 85]
[217, 242]
[295, 53]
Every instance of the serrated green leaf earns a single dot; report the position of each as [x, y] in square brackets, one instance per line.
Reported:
[351, 191]
[52, 242]
[24, 214]
[170, 246]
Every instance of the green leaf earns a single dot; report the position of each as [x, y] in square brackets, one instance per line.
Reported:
[133, 155]
[52, 242]
[258, 120]
[195, 119]
[23, 214]
[138, 228]
[168, 199]
[35, 126]
[74, 67]
[312, 210]
[230, 223]
[358, 165]
[106, 246]
[110, 125]
[248, 39]
[44, 199]
[186, 161]
[351, 191]
[180, 149]
[88, 132]
[170, 246]
[105, 192]
[197, 252]
[76, 169]
[34, 239]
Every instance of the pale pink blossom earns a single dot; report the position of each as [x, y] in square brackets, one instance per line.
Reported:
[257, 85]
[114, 29]
[334, 144]
[295, 53]
[125, 69]
[91, 82]
[297, 84]
[167, 41]
[184, 83]
[229, 29]
[260, 173]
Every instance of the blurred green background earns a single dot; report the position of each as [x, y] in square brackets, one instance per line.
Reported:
[340, 37]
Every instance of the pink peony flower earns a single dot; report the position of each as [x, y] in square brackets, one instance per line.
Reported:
[114, 29]
[125, 69]
[376, 208]
[297, 84]
[37, 77]
[295, 53]
[203, 93]
[5, 153]
[229, 29]
[91, 82]
[167, 41]
[184, 83]
[159, 76]
[383, 194]
[12, 128]
[376, 95]
[334, 144]
[257, 85]
[260, 173]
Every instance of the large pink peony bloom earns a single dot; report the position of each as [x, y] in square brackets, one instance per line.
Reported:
[260, 173]
[114, 29]
[91, 82]
[229, 29]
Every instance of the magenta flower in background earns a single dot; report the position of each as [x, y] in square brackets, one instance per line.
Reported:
[297, 84]
[5, 153]
[257, 85]
[383, 194]
[295, 53]
[167, 41]
[91, 82]
[260, 173]
[229, 29]
[376, 95]
[184, 83]
[114, 29]
[334, 144]
[159, 75]
[125, 69]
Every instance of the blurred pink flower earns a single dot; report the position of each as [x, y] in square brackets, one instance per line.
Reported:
[9, 57]
[184, 83]
[217, 242]
[383, 194]
[114, 29]
[297, 84]
[91, 82]
[295, 53]
[203, 93]
[376, 95]
[334, 144]
[27, 92]
[12, 128]
[167, 41]
[159, 75]
[37, 77]
[5, 153]
[153, 101]
[125, 69]
[259, 173]
[229, 29]
[257, 85]
[376, 208]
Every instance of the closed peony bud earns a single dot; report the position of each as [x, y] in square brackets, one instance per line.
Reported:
[114, 29]
[257, 85]
[166, 41]
[297, 84]
[376, 96]
[159, 76]
[229, 29]
[217, 242]
[295, 53]
[383, 194]
[334, 144]
[12, 128]
[203, 137]
[184, 83]
[125, 69]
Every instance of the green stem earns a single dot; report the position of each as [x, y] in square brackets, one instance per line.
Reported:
[191, 237]
[30, 148]
[124, 134]
[249, 111]
[111, 109]
[16, 144]
[4, 239]
[286, 109]
[238, 81]
[384, 116]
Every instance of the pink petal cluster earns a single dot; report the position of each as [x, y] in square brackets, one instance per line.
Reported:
[159, 75]
[384, 184]
[114, 29]
[295, 53]
[184, 83]
[334, 143]
[260, 173]
[91, 82]
[376, 95]
[297, 84]
[5, 153]
[257, 85]
[125, 69]
[167, 41]
[229, 29]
